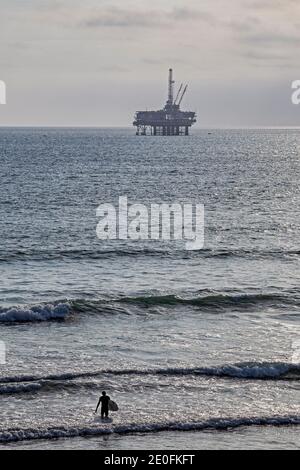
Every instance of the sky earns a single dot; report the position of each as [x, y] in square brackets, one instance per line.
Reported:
[95, 62]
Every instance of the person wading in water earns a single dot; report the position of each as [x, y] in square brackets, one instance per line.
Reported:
[104, 401]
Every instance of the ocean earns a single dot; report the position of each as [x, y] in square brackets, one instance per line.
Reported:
[200, 349]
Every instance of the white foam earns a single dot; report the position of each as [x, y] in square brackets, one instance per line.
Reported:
[251, 370]
[255, 370]
[43, 312]
[247, 370]
[15, 435]
[22, 388]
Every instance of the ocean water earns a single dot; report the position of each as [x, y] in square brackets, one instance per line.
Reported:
[201, 349]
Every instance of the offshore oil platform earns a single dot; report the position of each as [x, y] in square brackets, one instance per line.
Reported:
[168, 121]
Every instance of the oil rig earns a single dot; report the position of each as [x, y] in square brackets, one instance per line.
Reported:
[168, 121]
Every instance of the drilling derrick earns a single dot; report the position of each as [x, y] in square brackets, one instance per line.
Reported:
[171, 89]
[168, 121]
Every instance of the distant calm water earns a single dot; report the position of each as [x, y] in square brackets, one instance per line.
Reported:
[206, 342]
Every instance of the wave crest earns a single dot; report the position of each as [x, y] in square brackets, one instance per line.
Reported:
[246, 370]
[206, 300]
[15, 435]
[35, 313]
[216, 300]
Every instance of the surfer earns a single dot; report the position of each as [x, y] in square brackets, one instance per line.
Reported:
[104, 401]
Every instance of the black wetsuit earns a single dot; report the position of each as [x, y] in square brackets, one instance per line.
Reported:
[104, 400]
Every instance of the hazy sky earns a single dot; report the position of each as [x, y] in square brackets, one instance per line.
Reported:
[95, 62]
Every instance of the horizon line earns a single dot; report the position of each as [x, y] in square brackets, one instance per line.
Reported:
[131, 128]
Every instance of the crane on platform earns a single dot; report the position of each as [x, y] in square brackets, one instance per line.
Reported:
[183, 93]
[177, 96]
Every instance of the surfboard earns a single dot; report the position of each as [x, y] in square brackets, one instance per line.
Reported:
[112, 406]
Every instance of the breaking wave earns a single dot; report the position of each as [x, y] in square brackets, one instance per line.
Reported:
[35, 313]
[16, 435]
[205, 301]
[22, 388]
[248, 370]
